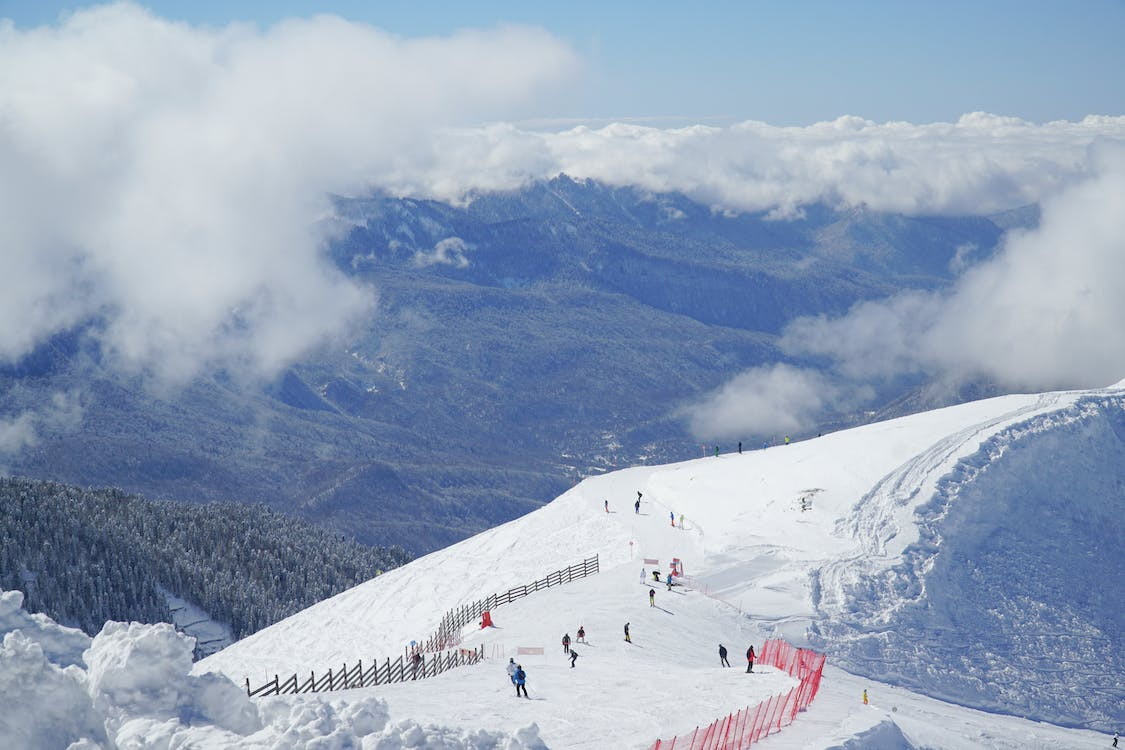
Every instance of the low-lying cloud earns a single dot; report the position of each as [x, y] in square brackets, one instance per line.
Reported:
[1047, 312]
[776, 399]
[167, 180]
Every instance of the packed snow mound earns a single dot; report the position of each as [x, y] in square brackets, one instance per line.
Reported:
[1003, 602]
[133, 688]
[886, 735]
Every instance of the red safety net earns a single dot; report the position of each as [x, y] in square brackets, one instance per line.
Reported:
[740, 730]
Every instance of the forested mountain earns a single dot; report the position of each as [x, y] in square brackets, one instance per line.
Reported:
[85, 556]
[520, 342]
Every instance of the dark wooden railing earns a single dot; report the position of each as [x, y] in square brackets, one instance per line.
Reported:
[433, 656]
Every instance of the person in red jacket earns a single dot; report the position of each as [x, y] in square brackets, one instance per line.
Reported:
[750, 659]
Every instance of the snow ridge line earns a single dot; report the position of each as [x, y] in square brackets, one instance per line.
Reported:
[882, 514]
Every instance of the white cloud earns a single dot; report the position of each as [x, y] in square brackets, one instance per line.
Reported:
[771, 400]
[980, 164]
[1048, 311]
[168, 179]
[450, 252]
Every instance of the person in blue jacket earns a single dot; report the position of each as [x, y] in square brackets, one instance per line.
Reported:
[521, 681]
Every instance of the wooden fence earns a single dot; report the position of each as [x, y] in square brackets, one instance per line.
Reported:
[416, 666]
[378, 673]
[448, 633]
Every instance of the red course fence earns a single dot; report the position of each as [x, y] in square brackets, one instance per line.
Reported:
[740, 730]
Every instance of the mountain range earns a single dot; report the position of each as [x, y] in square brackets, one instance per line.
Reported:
[521, 341]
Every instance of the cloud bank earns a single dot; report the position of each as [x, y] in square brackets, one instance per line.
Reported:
[167, 180]
[1046, 312]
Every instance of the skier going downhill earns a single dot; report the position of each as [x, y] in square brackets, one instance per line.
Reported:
[723, 655]
[750, 659]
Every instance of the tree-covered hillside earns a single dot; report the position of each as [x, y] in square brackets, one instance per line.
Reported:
[84, 556]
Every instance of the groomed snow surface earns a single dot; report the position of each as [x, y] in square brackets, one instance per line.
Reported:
[937, 559]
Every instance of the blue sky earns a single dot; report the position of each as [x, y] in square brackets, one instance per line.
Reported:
[785, 63]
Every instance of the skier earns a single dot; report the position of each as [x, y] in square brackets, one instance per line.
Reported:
[566, 643]
[865, 696]
[787, 440]
[581, 634]
[521, 682]
[416, 661]
[716, 451]
[1115, 739]
[642, 575]
[627, 638]
[607, 506]
[512, 670]
[652, 597]
[637, 506]
[723, 655]
[669, 581]
[681, 520]
[573, 658]
[740, 447]
[750, 659]
[672, 518]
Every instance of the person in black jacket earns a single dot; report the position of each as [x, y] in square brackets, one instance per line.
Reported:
[723, 655]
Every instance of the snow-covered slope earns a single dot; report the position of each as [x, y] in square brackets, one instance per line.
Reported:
[939, 553]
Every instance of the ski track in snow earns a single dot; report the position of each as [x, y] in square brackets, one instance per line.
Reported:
[886, 512]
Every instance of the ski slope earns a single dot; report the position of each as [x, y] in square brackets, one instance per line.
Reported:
[759, 566]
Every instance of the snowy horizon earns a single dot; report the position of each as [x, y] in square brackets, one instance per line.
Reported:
[892, 571]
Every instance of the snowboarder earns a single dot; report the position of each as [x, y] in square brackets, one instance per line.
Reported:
[787, 440]
[627, 638]
[566, 643]
[512, 670]
[723, 655]
[865, 696]
[656, 575]
[672, 518]
[1115, 739]
[637, 506]
[521, 682]
[581, 634]
[573, 658]
[652, 597]
[750, 659]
